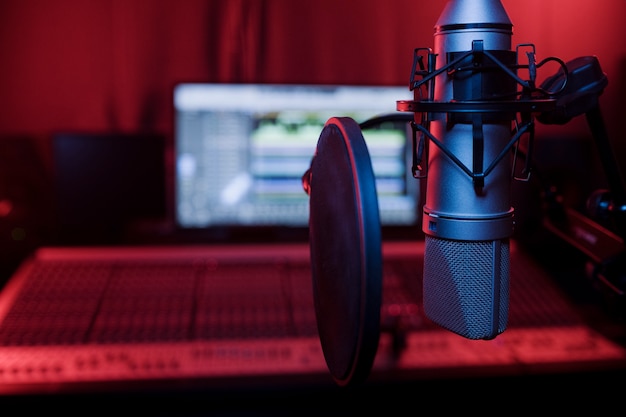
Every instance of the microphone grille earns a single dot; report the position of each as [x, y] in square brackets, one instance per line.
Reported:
[466, 285]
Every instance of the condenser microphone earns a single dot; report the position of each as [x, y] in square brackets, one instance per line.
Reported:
[468, 219]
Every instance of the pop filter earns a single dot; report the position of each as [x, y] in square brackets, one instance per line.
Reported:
[346, 254]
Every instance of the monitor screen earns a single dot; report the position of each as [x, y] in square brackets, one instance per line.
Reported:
[241, 151]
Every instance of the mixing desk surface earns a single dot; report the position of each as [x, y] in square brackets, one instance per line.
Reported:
[98, 320]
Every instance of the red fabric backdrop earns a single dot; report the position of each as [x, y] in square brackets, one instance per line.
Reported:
[111, 64]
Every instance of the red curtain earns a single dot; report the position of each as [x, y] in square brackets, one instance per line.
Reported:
[111, 64]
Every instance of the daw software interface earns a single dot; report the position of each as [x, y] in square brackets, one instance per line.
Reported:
[241, 150]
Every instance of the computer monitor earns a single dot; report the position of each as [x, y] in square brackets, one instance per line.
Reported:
[241, 151]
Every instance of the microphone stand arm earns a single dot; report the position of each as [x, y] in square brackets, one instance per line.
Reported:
[613, 204]
[581, 84]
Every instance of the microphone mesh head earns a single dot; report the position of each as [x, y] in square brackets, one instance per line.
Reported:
[466, 286]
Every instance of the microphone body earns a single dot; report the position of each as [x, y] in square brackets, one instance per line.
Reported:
[468, 220]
